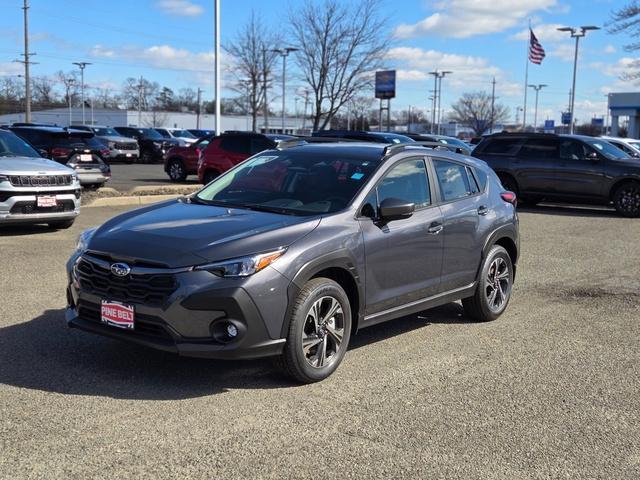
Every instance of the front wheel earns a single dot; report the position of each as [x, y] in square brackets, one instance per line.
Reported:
[177, 172]
[494, 287]
[319, 331]
[626, 199]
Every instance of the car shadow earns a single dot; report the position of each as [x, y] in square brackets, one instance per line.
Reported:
[569, 210]
[44, 354]
[21, 230]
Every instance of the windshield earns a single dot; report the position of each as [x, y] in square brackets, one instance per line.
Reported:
[606, 149]
[150, 133]
[106, 132]
[183, 133]
[13, 146]
[293, 183]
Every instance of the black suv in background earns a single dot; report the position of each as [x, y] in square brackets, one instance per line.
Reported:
[76, 149]
[153, 146]
[566, 168]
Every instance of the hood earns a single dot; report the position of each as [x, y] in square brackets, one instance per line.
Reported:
[179, 234]
[32, 166]
[111, 138]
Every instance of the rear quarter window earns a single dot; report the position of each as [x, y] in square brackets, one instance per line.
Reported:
[501, 146]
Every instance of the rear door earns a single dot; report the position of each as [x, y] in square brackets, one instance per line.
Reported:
[466, 214]
[576, 174]
[535, 165]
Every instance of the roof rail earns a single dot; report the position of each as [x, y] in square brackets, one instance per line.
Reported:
[398, 147]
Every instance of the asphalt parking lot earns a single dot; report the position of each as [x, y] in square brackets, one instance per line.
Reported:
[125, 177]
[548, 390]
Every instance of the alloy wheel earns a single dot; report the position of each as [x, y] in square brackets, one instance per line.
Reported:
[323, 332]
[498, 284]
[629, 200]
[176, 171]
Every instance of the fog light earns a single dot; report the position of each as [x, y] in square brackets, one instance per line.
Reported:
[232, 330]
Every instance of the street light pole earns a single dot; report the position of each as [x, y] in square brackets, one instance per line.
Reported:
[82, 66]
[217, 66]
[441, 76]
[537, 88]
[70, 82]
[284, 52]
[577, 33]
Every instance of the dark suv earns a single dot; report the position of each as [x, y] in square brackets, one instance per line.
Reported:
[153, 146]
[565, 168]
[362, 136]
[77, 149]
[292, 251]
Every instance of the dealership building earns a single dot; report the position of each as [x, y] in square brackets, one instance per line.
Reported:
[625, 105]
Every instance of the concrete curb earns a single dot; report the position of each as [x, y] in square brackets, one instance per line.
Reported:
[129, 200]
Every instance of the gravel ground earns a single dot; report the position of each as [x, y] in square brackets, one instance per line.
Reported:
[548, 390]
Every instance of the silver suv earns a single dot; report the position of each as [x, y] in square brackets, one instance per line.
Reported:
[120, 148]
[34, 189]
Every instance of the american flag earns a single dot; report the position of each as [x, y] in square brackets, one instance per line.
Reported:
[536, 52]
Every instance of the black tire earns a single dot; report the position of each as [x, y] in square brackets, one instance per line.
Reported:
[324, 348]
[509, 183]
[61, 225]
[626, 199]
[176, 170]
[210, 175]
[484, 305]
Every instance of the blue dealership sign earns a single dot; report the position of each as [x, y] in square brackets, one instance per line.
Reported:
[549, 125]
[386, 84]
[597, 122]
[566, 118]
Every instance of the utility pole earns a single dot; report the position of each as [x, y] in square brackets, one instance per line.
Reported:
[306, 103]
[68, 84]
[217, 66]
[26, 62]
[82, 66]
[140, 88]
[284, 52]
[537, 88]
[198, 109]
[435, 99]
[493, 103]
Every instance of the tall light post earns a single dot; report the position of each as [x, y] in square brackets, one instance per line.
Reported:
[577, 33]
[68, 83]
[217, 75]
[284, 52]
[537, 88]
[437, 96]
[441, 75]
[82, 66]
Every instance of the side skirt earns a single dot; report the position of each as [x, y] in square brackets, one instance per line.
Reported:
[418, 305]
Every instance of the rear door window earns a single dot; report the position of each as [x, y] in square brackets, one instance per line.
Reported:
[453, 180]
[502, 146]
[540, 149]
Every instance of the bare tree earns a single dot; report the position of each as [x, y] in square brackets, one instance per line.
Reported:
[627, 20]
[71, 85]
[473, 110]
[43, 91]
[12, 94]
[135, 89]
[254, 58]
[340, 48]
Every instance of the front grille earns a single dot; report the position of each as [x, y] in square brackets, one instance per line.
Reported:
[144, 324]
[153, 289]
[125, 146]
[6, 195]
[40, 180]
[30, 207]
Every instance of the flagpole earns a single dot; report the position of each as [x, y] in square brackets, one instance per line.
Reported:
[526, 81]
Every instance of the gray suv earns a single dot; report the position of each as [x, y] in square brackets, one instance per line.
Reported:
[34, 189]
[295, 249]
[121, 148]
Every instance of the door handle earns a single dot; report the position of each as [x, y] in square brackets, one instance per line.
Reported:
[482, 210]
[435, 228]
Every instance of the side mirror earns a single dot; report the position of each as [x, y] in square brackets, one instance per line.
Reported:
[396, 209]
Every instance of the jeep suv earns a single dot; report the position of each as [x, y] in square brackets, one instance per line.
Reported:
[120, 148]
[77, 149]
[566, 168]
[231, 148]
[291, 252]
[34, 189]
[153, 146]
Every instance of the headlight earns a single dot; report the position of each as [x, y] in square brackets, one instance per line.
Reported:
[4, 178]
[243, 267]
[83, 239]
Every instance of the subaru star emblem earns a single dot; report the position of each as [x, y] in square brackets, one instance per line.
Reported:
[120, 269]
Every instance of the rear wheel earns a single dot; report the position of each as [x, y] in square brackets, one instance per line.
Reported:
[61, 225]
[494, 287]
[176, 170]
[319, 331]
[626, 199]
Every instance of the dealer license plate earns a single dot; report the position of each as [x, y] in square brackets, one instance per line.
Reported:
[117, 314]
[46, 202]
[86, 157]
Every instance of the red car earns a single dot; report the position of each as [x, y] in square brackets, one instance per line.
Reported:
[179, 162]
[231, 148]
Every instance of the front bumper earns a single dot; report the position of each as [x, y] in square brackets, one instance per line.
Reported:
[186, 321]
[22, 208]
[116, 154]
[92, 177]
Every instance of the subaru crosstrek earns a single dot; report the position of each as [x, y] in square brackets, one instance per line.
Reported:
[292, 251]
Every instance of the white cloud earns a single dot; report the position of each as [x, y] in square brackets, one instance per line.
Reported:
[565, 51]
[610, 49]
[160, 56]
[11, 68]
[547, 32]
[466, 18]
[180, 7]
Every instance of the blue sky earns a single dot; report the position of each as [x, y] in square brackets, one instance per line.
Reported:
[171, 42]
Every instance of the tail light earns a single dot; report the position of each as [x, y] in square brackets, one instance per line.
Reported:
[105, 152]
[509, 197]
[198, 152]
[58, 152]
